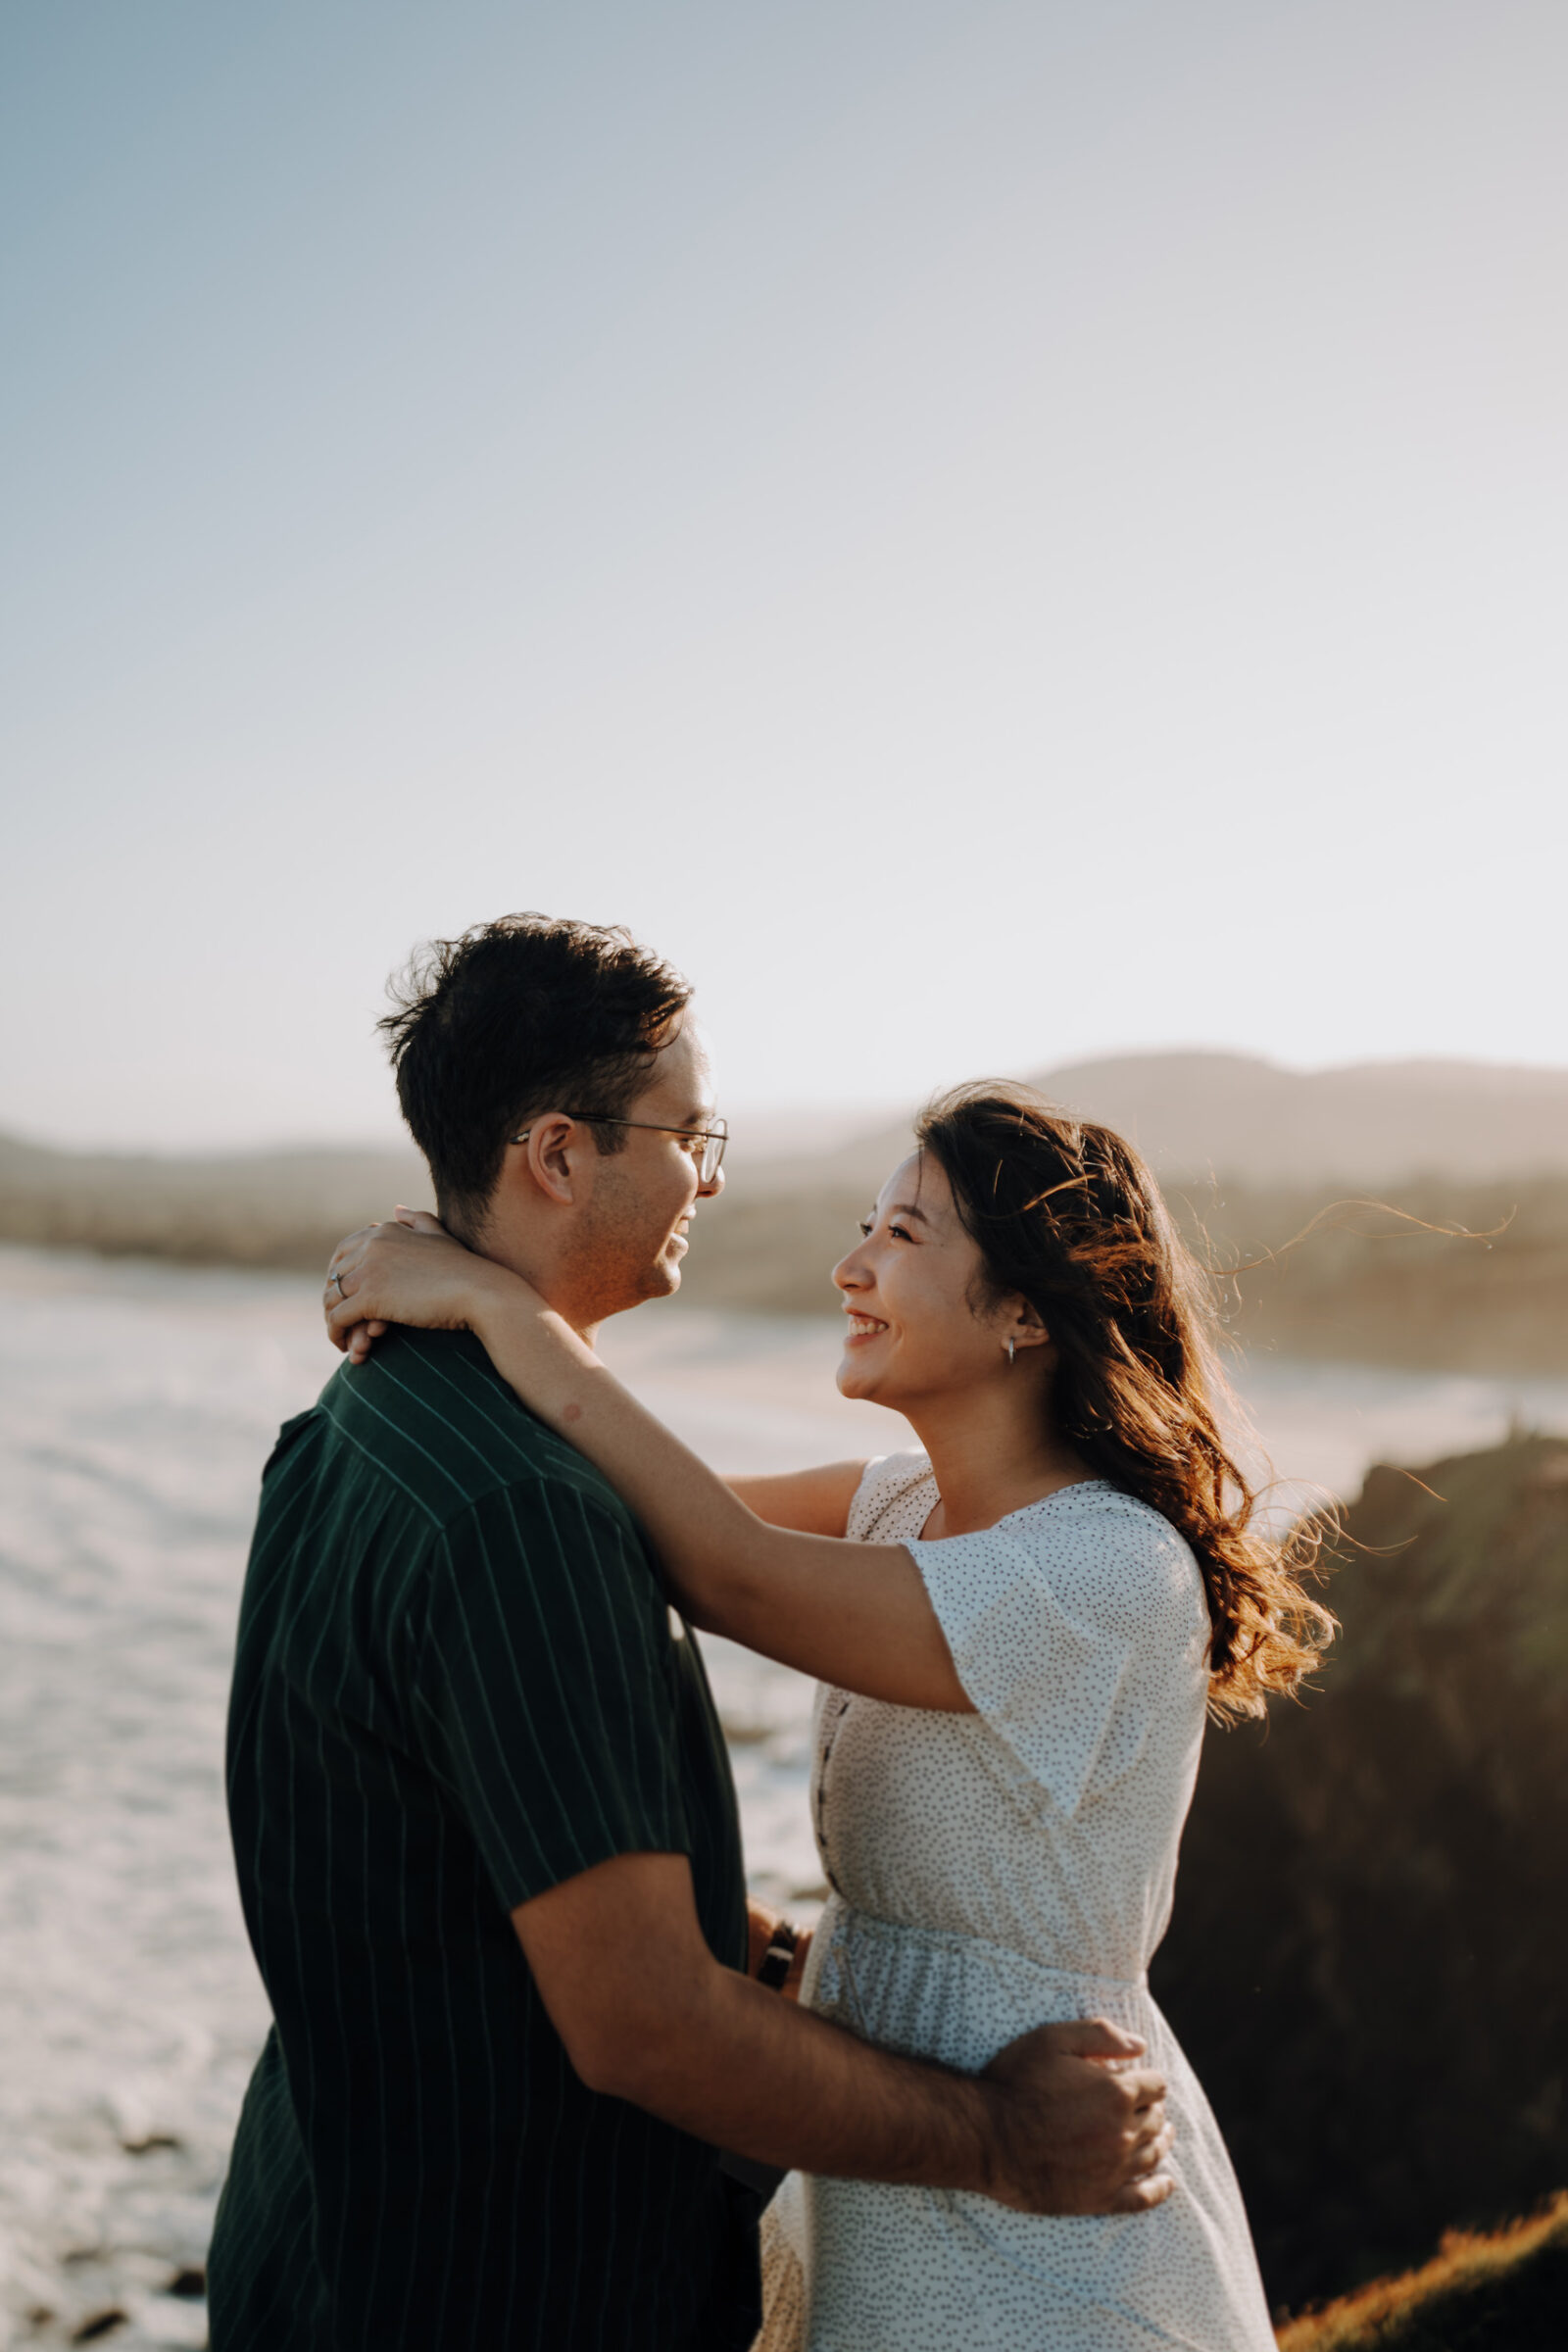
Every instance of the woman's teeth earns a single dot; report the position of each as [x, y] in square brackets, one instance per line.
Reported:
[862, 1327]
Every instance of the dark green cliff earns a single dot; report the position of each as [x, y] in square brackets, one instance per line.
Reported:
[1367, 1958]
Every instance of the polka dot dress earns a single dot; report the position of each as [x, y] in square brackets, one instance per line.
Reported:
[989, 1873]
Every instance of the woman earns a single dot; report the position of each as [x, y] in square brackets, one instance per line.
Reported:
[1017, 1631]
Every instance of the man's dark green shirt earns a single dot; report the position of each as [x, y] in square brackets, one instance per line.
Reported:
[458, 1684]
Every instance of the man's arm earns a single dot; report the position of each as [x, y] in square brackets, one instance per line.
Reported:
[648, 2015]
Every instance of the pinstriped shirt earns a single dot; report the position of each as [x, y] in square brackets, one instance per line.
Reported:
[457, 1683]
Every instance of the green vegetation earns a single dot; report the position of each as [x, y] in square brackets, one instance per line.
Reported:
[1501, 2291]
[1365, 1962]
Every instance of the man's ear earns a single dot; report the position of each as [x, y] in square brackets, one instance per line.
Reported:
[546, 1147]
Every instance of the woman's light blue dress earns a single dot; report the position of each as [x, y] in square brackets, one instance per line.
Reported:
[990, 1873]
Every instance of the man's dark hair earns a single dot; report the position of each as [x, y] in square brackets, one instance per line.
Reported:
[524, 1014]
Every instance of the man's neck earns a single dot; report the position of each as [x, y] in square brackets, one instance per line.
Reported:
[529, 1256]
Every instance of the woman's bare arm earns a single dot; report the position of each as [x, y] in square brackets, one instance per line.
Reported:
[815, 1503]
[854, 1614]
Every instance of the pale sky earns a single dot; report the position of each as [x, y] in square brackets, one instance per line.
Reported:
[989, 533]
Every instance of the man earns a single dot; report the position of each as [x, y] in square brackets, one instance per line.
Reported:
[482, 1814]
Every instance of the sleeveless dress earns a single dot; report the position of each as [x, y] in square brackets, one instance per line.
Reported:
[993, 1872]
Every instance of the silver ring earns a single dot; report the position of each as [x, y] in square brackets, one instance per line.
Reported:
[338, 1279]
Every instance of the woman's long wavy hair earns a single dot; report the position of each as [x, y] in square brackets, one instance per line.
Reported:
[1066, 1213]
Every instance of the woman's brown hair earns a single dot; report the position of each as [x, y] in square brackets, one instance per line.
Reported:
[1067, 1214]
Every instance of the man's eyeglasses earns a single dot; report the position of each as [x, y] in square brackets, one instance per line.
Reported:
[713, 1139]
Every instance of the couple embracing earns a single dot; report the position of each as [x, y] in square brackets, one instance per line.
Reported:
[536, 2062]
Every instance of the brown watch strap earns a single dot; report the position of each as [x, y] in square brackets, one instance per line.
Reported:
[773, 1969]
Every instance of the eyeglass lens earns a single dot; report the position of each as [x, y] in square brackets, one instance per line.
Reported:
[712, 1154]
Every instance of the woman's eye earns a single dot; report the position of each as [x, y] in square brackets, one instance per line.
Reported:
[900, 1233]
[866, 1229]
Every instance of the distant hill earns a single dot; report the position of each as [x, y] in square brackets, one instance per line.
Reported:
[1371, 1123]
[1250, 1121]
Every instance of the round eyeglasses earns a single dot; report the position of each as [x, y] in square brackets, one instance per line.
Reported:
[713, 1139]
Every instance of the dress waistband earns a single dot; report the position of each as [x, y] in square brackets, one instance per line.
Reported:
[957, 1999]
[840, 1917]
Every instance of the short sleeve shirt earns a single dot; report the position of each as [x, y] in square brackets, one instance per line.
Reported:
[458, 1684]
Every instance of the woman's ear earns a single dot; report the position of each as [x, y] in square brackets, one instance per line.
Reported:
[1024, 1326]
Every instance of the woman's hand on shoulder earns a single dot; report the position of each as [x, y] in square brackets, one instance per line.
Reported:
[409, 1270]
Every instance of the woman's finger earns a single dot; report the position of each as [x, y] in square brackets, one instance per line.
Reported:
[419, 1221]
[384, 1265]
[342, 1315]
[352, 1243]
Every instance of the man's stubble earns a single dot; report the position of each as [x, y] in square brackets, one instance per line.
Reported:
[620, 1254]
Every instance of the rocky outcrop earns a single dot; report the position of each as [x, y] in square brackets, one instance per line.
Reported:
[1366, 1962]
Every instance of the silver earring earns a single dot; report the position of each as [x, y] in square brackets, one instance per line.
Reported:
[1010, 1349]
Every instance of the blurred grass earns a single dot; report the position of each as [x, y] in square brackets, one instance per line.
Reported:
[1499, 2291]
[280, 1209]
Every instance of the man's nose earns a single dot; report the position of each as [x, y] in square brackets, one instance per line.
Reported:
[712, 1188]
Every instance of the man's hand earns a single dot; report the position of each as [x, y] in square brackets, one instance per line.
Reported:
[1080, 2127]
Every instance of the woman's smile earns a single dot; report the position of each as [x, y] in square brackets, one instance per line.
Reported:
[861, 1326]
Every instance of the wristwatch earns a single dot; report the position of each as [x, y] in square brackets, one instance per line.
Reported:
[773, 1970]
